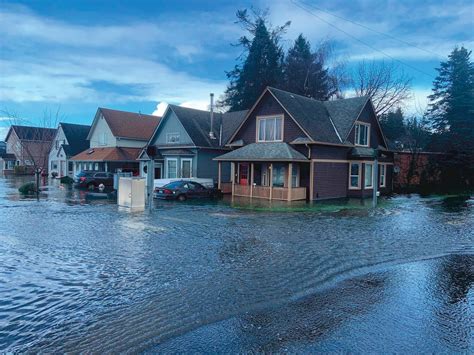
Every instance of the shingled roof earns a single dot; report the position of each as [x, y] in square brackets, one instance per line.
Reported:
[31, 133]
[322, 121]
[197, 124]
[76, 136]
[274, 151]
[121, 154]
[130, 125]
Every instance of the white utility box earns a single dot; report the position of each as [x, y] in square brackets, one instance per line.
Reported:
[131, 192]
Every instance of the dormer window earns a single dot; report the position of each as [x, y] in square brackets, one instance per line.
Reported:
[270, 129]
[362, 134]
[172, 138]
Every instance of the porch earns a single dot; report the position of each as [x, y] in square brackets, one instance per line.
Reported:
[271, 181]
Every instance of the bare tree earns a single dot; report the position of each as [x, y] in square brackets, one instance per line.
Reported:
[384, 82]
[34, 144]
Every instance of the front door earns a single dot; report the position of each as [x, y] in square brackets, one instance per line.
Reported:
[243, 173]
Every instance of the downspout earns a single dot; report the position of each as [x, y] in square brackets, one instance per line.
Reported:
[309, 150]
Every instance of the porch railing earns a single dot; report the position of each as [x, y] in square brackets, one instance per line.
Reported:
[267, 192]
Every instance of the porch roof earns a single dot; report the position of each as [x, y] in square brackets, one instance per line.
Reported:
[176, 152]
[275, 151]
[108, 154]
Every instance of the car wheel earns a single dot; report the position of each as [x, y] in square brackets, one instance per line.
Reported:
[182, 198]
[91, 186]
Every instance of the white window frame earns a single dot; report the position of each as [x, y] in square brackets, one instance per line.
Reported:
[357, 133]
[358, 176]
[260, 118]
[168, 170]
[383, 168]
[371, 186]
[171, 134]
[103, 139]
[190, 167]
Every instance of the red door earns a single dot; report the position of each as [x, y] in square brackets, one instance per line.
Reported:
[243, 173]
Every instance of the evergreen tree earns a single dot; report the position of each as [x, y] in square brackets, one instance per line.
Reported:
[304, 73]
[451, 108]
[262, 66]
[393, 125]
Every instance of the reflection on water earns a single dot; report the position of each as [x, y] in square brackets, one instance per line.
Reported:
[78, 275]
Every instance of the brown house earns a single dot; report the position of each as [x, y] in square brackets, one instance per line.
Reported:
[291, 147]
[30, 146]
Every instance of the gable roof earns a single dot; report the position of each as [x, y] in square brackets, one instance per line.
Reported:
[129, 125]
[197, 124]
[76, 136]
[31, 133]
[271, 151]
[108, 154]
[322, 121]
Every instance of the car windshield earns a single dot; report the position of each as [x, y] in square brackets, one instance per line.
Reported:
[174, 185]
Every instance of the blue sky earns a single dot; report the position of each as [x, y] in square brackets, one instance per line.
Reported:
[131, 55]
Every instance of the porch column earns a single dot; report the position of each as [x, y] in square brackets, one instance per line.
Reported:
[311, 180]
[271, 181]
[251, 180]
[232, 172]
[219, 175]
[290, 180]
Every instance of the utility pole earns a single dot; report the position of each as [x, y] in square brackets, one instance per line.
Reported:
[150, 172]
[375, 178]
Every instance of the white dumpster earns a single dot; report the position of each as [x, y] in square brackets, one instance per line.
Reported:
[131, 192]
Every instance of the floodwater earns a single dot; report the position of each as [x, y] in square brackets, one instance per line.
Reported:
[87, 276]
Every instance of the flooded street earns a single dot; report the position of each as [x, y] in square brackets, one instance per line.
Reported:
[78, 275]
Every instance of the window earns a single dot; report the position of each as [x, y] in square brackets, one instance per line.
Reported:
[57, 144]
[172, 167]
[295, 181]
[172, 138]
[103, 139]
[383, 169]
[270, 129]
[90, 166]
[96, 166]
[362, 134]
[279, 175]
[186, 168]
[369, 176]
[54, 165]
[354, 176]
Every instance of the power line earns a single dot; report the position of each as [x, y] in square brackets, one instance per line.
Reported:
[361, 41]
[373, 30]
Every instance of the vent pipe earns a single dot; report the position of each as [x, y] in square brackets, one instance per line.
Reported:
[211, 129]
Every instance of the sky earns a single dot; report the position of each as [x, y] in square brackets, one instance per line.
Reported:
[74, 56]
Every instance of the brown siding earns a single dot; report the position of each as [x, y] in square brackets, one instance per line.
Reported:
[330, 180]
[329, 152]
[367, 115]
[268, 106]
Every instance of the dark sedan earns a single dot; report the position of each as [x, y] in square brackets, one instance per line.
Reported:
[183, 190]
[92, 179]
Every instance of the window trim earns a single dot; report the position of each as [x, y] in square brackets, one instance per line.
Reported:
[167, 168]
[257, 128]
[356, 130]
[384, 175]
[190, 167]
[369, 187]
[359, 176]
[169, 134]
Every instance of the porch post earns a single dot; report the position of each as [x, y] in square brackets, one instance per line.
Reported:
[311, 180]
[232, 172]
[271, 181]
[251, 180]
[219, 175]
[290, 180]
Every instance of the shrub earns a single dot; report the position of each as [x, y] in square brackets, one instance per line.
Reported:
[28, 188]
[66, 180]
[54, 174]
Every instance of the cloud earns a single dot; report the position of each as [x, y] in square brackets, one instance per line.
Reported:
[197, 104]
[160, 109]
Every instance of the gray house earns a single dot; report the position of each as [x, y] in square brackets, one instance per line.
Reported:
[187, 140]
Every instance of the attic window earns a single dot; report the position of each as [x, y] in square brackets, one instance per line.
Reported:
[362, 134]
[172, 138]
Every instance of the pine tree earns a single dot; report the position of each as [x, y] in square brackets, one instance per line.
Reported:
[451, 108]
[304, 73]
[262, 66]
[393, 124]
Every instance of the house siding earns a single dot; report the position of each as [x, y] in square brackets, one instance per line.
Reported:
[171, 124]
[98, 129]
[207, 168]
[330, 180]
[268, 106]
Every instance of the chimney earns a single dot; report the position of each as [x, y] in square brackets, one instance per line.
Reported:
[211, 129]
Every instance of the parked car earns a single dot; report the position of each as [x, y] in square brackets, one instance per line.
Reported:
[92, 179]
[183, 190]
